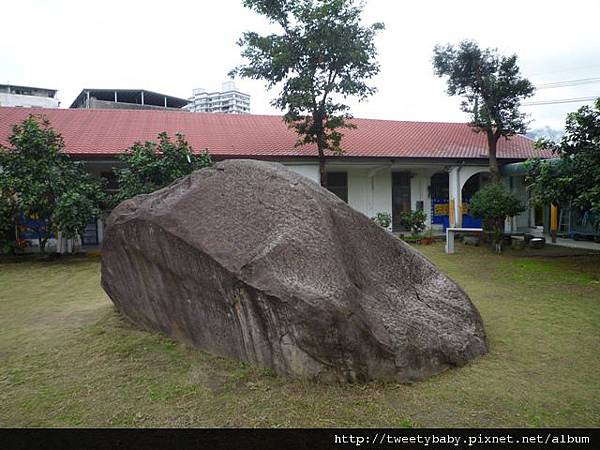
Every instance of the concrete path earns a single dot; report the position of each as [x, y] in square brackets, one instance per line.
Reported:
[571, 243]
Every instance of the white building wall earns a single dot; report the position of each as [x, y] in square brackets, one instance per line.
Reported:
[381, 193]
[370, 191]
[28, 101]
[359, 189]
[308, 170]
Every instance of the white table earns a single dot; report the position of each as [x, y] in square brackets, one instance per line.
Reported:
[450, 236]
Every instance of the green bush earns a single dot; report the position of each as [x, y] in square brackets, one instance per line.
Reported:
[493, 203]
[40, 180]
[151, 166]
[414, 221]
[383, 219]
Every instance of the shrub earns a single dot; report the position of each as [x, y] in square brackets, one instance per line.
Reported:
[40, 181]
[414, 221]
[383, 219]
[151, 166]
[493, 203]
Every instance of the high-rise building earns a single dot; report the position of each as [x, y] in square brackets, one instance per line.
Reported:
[229, 100]
[28, 96]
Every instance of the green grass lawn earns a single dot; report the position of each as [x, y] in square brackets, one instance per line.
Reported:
[68, 359]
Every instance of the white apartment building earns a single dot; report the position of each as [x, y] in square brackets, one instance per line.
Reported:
[229, 100]
[28, 97]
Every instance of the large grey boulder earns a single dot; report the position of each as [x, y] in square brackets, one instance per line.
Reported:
[252, 261]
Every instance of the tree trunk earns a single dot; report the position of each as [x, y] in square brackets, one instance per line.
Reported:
[43, 239]
[498, 233]
[13, 236]
[322, 168]
[318, 123]
[492, 145]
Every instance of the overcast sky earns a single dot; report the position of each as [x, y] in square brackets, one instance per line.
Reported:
[174, 46]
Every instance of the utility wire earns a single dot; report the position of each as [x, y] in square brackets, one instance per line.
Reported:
[558, 84]
[558, 101]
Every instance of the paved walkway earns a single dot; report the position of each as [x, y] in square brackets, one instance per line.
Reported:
[571, 243]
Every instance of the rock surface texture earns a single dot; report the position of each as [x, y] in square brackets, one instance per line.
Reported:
[252, 261]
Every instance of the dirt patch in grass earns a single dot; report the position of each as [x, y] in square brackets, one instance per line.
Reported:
[68, 359]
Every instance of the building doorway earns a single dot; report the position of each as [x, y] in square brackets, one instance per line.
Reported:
[400, 198]
[440, 199]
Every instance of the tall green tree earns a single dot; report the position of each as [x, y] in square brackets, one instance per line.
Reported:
[491, 87]
[151, 166]
[573, 178]
[321, 55]
[42, 182]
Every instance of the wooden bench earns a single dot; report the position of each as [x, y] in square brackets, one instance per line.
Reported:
[450, 232]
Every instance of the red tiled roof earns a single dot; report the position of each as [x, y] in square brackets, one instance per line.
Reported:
[110, 132]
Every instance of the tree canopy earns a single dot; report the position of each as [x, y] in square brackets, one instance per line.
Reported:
[492, 89]
[322, 55]
[151, 166]
[44, 184]
[573, 178]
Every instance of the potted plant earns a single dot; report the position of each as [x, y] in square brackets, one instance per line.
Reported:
[428, 239]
